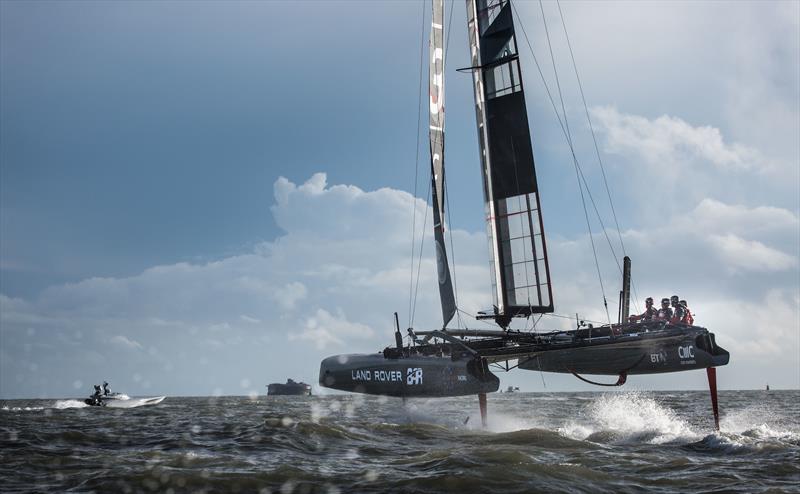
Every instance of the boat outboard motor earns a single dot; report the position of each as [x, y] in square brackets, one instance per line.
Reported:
[94, 401]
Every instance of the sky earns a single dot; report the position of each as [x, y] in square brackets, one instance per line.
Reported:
[201, 198]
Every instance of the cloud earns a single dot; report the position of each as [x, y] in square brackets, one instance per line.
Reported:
[126, 342]
[716, 216]
[324, 329]
[319, 289]
[750, 255]
[290, 294]
[670, 144]
[331, 281]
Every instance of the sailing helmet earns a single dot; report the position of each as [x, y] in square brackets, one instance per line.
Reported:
[683, 303]
[674, 299]
[665, 301]
[648, 300]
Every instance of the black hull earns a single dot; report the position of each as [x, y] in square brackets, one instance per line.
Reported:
[412, 376]
[672, 349]
[458, 367]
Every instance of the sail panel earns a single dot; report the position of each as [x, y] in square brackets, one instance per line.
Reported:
[436, 134]
[518, 253]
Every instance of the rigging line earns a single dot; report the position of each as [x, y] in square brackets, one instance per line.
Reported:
[564, 131]
[561, 124]
[475, 318]
[594, 140]
[449, 23]
[577, 168]
[444, 175]
[572, 317]
[566, 136]
[452, 247]
[591, 127]
[416, 172]
[419, 265]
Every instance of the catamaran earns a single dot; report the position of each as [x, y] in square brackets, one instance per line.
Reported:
[455, 362]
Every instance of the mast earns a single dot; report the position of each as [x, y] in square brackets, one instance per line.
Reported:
[520, 274]
[436, 126]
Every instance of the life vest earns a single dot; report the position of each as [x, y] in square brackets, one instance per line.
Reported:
[687, 317]
[678, 315]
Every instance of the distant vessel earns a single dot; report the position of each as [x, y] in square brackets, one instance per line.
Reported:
[106, 398]
[767, 387]
[512, 389]
[290, 388]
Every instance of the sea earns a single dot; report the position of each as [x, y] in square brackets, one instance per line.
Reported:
[534, 442]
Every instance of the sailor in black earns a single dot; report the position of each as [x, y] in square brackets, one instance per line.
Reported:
[648, 314]
[678, 312]
[106, 392]
[665, 312]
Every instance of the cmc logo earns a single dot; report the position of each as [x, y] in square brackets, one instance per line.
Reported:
[686, 351]
[414, 375]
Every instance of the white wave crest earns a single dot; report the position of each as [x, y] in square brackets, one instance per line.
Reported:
[629, 417]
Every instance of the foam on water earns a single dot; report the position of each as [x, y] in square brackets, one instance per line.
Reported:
[62, 404]
[751, 430]
[629, 417]
[758, 422]
[502, 422]
[6, 408]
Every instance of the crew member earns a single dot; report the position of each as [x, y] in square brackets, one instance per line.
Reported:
[106, 392]
[665, 312]
[678, 311]
[687, 316]
[648, 314]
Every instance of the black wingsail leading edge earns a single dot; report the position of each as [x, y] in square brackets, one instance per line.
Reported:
[436, 126]
[518, 263]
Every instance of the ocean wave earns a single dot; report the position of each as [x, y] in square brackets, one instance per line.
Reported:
[629, 418]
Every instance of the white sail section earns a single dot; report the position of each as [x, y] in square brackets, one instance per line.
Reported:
[436, 132]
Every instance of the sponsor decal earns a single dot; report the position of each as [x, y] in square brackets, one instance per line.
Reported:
[377, 375]
[686, 353]
[414, 375]
[658, 358]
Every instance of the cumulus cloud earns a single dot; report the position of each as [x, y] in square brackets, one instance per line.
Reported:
[670, 144]
[324, 329]
[712, 215]
[290, 294]
[320, 289]
[750, 255]
[330, 283]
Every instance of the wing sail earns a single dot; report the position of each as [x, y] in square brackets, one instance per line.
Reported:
[520, 273]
